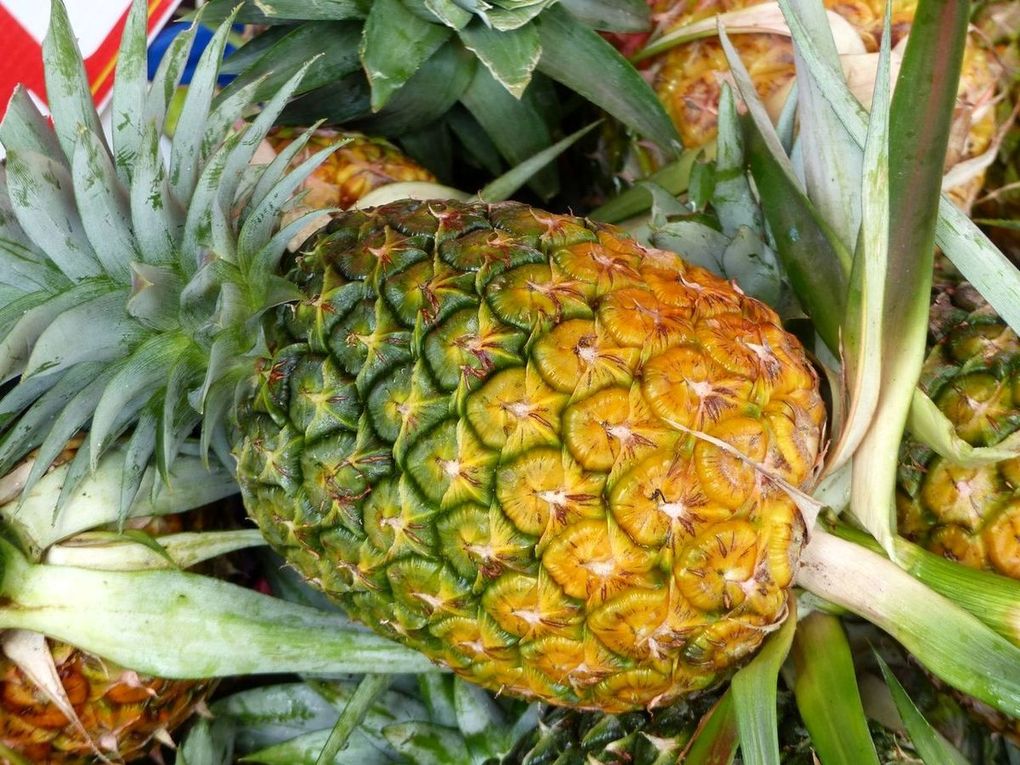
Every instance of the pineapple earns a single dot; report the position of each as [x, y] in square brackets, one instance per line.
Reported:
[688, 77]
[359, 166]
[547, 457]
[121, 714]
[968, 514]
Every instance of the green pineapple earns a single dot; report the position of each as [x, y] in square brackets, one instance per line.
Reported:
[545, 456]
[967, 513]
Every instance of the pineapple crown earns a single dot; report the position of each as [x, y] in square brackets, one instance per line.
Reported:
[133, 272]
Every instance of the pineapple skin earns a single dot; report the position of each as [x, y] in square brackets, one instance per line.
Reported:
[470, 434]
[121, 710]
[968, 514]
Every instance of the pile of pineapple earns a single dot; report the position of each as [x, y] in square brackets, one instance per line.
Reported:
[603, 383]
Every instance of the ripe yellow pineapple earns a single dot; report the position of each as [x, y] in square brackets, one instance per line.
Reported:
[688, 77]
[359, 166]
[543, 455]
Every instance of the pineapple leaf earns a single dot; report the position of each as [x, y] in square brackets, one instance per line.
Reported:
[717, 738]
[449, 12]
[369, 689]
[932, 747]
[42, 197]
[63, 344]
[25, 129]
[132, 550]
[156, 216]
[674, 178]
[919, 126]
[427, 743]
[129, 88]
[950, 642]
[754, 696]
[138, 375]
[338, 42]
[167, 78]
[104, 206]
[232, 631]
[30, 428]
[471, 134]
[864, 323]
[259, 227]
[509, 56]
[137, 457]
[428, 95]
[572, 54]
[268, 11]
[276, 169]
[507, 184]
[92, 499]
[515, 127]
[620, 16]
[931, 427]
[189, 135]
[394, 45]
[832, 160]
[22, 336]
[67, 85]
[827, 695]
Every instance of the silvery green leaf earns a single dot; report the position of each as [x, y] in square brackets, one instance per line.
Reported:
[42, 197]
[510, 56]
[73, 417]
[24, 129]
[240, 155]
[165, 81]
[137, 457]
[192, 124]
[426, 743]
[479, 719]
[259, 227]
[104, 206]
[732, 199]
[751, 264]
[394, 45]
[178, 381]
[305, 749]
[225, 115]
[63, 344]
[345, 734]
[664, 204]
[196, 237]
[129, 89]
[620, 16]
[141, 372]
[231, 630]
[270, 174]
[832, 161]
[17, 344]
[30, 428]
[157, 220]
[153, 300]
[207, 743]
[695, 242]
[277, 713]
[67, 85]
[448, 12]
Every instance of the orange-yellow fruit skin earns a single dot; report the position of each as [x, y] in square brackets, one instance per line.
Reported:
[556, 460]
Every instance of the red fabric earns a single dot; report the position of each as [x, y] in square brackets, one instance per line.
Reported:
[21, 56]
